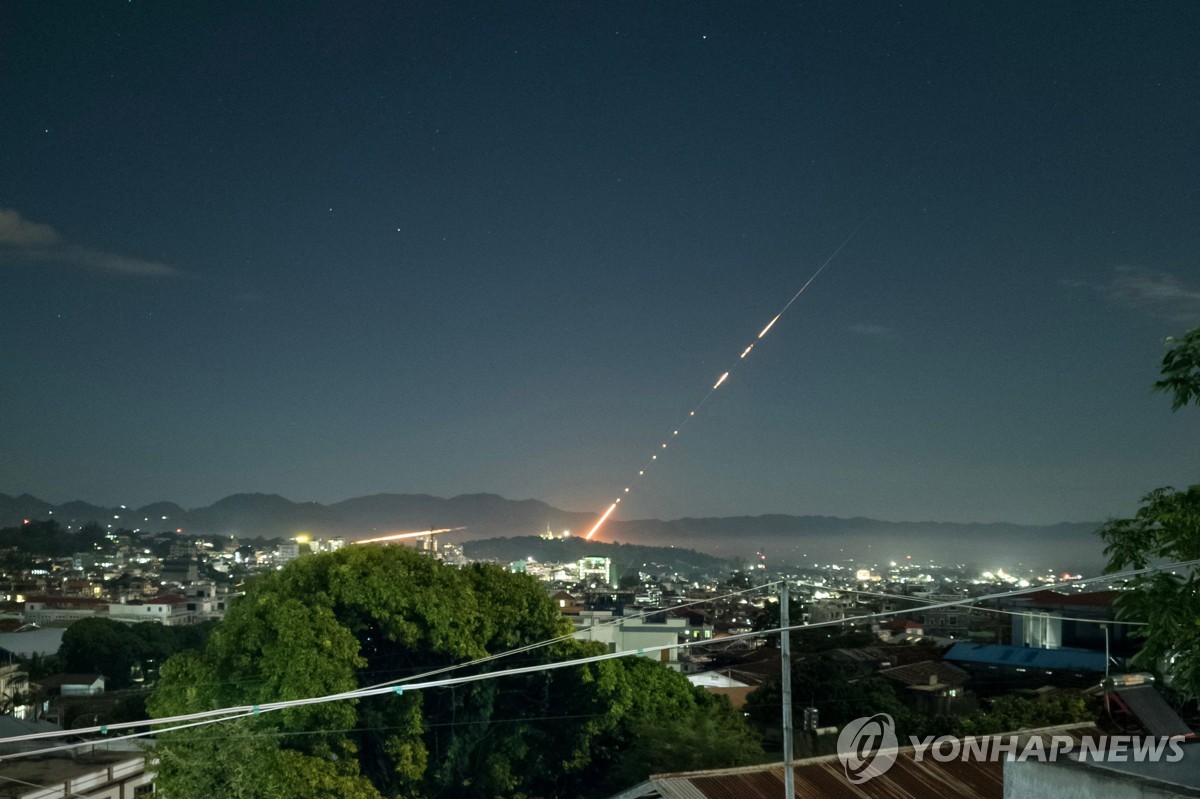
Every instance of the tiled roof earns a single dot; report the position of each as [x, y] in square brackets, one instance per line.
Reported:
[921, 673]
[59, 680]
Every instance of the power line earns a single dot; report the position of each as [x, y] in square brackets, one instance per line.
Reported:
[200, 718]
[886, 595]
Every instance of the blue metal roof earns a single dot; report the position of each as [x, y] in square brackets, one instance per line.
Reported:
[1026, 658]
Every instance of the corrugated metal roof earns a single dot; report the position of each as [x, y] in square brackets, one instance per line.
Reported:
[1027, 657]
[825, 778]
[1153, 711]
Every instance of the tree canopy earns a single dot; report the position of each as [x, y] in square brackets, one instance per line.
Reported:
[103, 646]
[366, 615]
[1165, 528]
[1181, 370]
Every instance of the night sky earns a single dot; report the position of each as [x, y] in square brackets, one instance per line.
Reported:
[343, 248]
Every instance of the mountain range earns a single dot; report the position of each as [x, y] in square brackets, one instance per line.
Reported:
[784, 539]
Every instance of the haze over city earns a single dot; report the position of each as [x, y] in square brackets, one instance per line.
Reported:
[412, 249]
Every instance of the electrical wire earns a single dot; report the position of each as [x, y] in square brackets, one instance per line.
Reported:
[976, 607]
[187, 720]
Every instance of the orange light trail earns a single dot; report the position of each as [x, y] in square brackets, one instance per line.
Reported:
[725, 376]
[601, 521]
[401, 536]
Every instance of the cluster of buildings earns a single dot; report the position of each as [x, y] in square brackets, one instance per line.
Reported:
[941, 656]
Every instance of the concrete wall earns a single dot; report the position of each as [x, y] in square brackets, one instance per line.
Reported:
[1032, 779]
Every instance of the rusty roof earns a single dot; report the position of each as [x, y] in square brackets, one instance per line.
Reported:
[824, 777]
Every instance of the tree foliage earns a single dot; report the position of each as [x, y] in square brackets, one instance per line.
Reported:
[1165, 528]
[366, 615]
[838, 692]
[1013, 713]
[1181, 370]
[102, 646]
[48, 538]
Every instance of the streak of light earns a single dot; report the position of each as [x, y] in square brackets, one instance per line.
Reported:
[746, 352]
[401, 536]
[772, 322]
[602, 520]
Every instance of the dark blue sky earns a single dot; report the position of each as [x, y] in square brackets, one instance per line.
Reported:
[329, 250]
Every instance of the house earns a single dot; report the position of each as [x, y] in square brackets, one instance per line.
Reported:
[567, 604]
[932, 687]
[1001, 667]
[1052, 620]
[657, 634]
[63, 610]
[98, 774]
[73, 684]
[951, 621]
[898, 629]
[168, 609]
[723, 684]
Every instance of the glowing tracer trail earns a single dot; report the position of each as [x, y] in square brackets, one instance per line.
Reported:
[602, 520]
[401, 536]
[771, 324]
[741, 358]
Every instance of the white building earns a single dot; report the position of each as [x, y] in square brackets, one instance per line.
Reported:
[168, 610]
[624, 634]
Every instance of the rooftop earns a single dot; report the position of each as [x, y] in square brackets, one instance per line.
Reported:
[1021, 657]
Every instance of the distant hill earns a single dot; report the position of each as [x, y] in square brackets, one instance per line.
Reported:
[785, 539]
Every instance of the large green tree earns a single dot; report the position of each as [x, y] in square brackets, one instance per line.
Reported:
[1165, 528]
[1181, 370]
[366, 615]
[114, 649]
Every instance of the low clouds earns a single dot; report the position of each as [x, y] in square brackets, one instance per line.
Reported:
[1159, 294]
[27, 243]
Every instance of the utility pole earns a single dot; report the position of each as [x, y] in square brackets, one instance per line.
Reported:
[785, 654]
